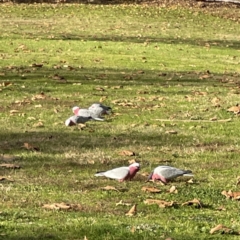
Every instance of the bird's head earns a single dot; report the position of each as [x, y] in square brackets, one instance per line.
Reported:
[75, 110]
[133, 169]
[135, 166]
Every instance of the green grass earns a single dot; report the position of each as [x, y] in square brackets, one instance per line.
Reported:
[161, 69]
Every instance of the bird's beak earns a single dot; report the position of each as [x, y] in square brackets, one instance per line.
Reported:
[149, 177]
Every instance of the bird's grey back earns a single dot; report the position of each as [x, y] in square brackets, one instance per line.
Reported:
[171, 172]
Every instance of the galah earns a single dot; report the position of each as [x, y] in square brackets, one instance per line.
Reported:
[74, 120]
[85, 113]
[99, 109]
[165, 173]
[122, 173]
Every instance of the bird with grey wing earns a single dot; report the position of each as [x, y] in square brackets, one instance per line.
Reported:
[84, 112]
[166, 173]
[81, 116]
[121, 173]
[74, 120]
[98, 109]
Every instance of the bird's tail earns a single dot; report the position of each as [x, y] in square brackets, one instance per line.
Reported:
[99, 174]
[188, 173]
[98, 119]
[109, 111]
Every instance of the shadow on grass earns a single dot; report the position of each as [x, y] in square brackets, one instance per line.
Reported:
[99, 76]
[216, 43]
[60, 142]
[64, 139]
[36, 236]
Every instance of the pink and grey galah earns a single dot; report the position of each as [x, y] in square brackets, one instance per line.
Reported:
[122, 173]
[99, 109]
[166, 173]
[96, 110]
[86, 113]
[74, 120]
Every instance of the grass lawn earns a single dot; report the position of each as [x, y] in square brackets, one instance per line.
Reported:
[170, 75]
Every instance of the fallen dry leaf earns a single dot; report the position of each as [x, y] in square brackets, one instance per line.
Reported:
[133, 229]
[8, 158]
[55, 110]
[222, 229]
[205, 76]
[38, 106]
[127, 153]
[117, 87]
[144, 174]
[213, 119]
[81, 126]
[225, 120]
[132, 211]
[128, 104]
[238, 180]
[100, 89]
[227, 194]
[190, 181]
[216, 102]
[30, 147]
[90, 161]
[102, 99]
[123, 203]
[59, 78]
[132, 161]
[4, 84]
[39, 65]
[31, 118]
[2, 178]
[151, 189]
[160, 203]
[8, 165]
[230, 194]
[109, 188]
[221, 208]
[14, 111]
[193, 202]
[57, 206]
[39, 96]
[173, 189]
[62, 206]
[171, 132]
[38, 124]
[234, 109]
[198, 93]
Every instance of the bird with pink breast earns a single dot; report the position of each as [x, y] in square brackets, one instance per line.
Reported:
[82, 115]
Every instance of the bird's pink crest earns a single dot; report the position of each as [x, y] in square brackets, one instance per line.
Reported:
[75, 110]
